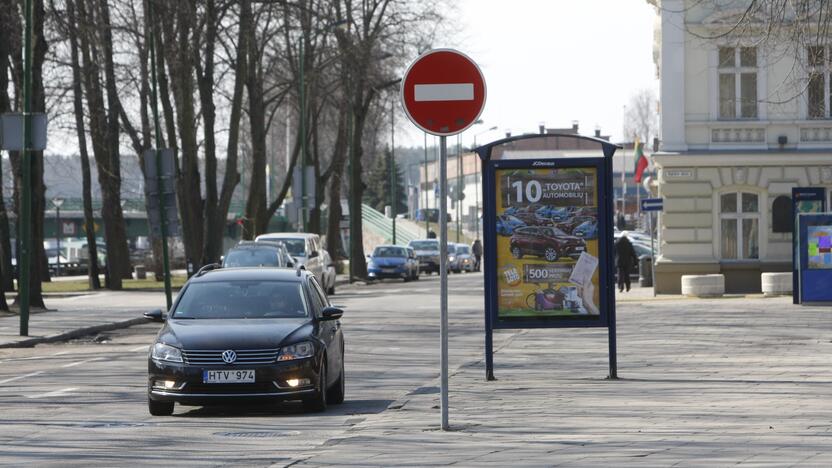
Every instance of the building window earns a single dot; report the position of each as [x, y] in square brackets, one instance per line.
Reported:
[817, 88]
[781, 214]
[740, 226]
[737, 82]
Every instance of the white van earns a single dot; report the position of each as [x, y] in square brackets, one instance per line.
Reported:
[306, 248]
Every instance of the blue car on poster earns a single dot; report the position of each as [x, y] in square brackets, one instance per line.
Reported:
[506, 225]
[554, 213]
[587, 230]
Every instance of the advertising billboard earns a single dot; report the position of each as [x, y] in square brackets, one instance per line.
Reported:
[547, 244]
[819, 247]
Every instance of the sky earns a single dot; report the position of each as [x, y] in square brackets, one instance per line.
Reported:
[553, 62]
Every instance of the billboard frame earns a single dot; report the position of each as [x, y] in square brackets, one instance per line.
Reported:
[605, 206]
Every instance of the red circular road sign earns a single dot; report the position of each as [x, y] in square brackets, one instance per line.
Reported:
[443, 92]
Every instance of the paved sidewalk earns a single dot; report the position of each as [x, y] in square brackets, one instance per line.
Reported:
[703, 383]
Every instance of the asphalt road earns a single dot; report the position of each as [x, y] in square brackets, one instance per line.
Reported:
[84, 402]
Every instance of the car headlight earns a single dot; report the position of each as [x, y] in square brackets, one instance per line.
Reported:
[371, 264]
[451, 258]
[300, 350]
[163, 352]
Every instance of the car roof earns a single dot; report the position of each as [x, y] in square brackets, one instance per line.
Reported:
[391, 245]
[251, 274]
[286, 235]
[254, 244]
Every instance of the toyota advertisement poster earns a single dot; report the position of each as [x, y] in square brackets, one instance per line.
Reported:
[547, 243]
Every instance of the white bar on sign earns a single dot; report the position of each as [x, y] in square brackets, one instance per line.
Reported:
[444, 92]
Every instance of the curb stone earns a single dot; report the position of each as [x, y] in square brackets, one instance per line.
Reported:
[73, 334]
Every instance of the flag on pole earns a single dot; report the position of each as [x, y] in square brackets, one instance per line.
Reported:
[640, 160]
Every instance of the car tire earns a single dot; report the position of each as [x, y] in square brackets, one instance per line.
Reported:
[516, 252]
[317, 402]
[160, 408]
[550, 254]
[335, 394]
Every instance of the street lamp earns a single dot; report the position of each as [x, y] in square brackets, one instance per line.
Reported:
[476, 178]
[58, 201]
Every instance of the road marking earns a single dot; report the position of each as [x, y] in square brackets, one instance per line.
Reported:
[444, 92]
[20, 377]
[78, 363]
[53, 393]
[139, 348]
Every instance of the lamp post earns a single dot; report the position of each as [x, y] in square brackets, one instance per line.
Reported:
[58, 201]
[476, 183]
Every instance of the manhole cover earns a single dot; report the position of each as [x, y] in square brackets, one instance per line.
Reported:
[258, 434]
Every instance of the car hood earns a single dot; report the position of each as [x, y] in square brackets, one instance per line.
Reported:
[388, 261]
[234, 333]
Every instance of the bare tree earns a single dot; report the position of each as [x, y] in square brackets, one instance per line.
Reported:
[641, 119]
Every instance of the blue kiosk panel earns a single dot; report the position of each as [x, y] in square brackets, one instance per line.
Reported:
[815, 249]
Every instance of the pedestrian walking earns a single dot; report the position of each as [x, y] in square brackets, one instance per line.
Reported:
[476, 249]
[626, 259]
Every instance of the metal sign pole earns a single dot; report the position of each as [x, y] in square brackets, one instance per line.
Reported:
[443, 277]
[652, 251]
[158, 156]
[25, 256]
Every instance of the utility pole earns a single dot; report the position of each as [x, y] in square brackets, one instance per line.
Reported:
[26, 197]
[303, 162]
[425, 211]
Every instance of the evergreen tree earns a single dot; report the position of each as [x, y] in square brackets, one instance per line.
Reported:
[377, 193]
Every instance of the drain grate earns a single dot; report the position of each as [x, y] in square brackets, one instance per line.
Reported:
[258, 434]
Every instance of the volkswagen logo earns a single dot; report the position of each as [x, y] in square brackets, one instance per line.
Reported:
[229, 356]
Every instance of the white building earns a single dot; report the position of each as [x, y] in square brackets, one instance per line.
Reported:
[743, 121]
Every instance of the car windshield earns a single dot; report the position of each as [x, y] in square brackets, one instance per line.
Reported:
[296, 247]
[241, 300]
[451, 248]
[462, 249]
[425, 245]
[252, 258]
[389, 252]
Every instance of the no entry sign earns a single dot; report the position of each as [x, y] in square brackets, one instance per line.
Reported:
[443, 92]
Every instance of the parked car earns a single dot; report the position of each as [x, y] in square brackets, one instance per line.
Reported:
[393, 261]
[427, 252]
[547, 242]
[307, 250]
[462, 260]
[530, 208]
[430, 214]
[258, 254]
[587, 230]
[242, 334]
[506, 224]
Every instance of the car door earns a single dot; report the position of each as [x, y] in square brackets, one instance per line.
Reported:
[313, 263]
[330, 332]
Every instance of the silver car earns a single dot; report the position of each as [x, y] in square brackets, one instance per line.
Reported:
[306, 248]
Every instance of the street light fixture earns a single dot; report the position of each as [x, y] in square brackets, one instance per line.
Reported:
[58, 202]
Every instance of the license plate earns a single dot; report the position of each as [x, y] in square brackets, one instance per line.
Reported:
[388, 270]
[579, 249]
[228, 376]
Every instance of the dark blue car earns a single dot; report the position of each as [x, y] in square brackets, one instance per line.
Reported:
[506, 225]
[393, 261]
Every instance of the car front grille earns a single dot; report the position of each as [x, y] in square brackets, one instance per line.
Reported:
[244, 357]
[258, 387]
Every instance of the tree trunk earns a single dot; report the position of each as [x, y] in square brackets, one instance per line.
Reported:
[335, 179]
[6, 270]
[89, 221]
[180, 62]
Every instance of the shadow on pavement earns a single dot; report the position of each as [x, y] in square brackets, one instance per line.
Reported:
[286, 409]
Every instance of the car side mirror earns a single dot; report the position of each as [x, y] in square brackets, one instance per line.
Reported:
[155, 315]
[331, 313]
[313, 254]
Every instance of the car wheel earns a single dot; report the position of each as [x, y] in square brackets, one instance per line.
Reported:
[335, 394]
[160, 408]
[318, 402]
[551, 254]
[516, 252]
